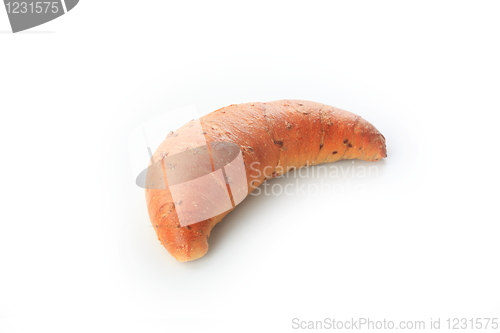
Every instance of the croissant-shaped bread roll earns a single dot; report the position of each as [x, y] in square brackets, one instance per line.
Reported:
[204, 169]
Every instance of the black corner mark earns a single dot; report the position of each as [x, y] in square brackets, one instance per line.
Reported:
[26, 14]
[70, 4]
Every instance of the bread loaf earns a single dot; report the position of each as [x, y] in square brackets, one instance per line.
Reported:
[271, 139]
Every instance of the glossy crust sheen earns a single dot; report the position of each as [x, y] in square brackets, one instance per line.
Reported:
[279, 135]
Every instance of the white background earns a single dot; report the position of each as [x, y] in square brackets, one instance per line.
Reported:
[420, 240]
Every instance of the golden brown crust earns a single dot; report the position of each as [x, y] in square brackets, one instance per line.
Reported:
[274, 138]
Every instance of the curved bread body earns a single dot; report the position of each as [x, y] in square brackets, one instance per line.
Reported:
[274, 138]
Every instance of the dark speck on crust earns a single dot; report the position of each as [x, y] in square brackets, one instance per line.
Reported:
[279, 143]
